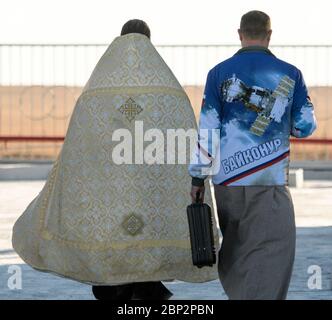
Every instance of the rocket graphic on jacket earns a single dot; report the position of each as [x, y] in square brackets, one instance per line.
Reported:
[255, 102]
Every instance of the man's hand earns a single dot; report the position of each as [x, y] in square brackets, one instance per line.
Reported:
[197, 190]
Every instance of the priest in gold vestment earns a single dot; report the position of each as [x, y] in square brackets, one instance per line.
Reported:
[119, 227]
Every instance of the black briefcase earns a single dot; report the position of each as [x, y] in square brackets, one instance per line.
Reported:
[201, 235]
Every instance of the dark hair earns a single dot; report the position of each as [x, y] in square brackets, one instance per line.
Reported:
[136, 26]
[255, 24]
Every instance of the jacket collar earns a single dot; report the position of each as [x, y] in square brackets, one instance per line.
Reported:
[255, 48]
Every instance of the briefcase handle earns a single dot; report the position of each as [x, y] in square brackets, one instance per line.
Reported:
[197, 198]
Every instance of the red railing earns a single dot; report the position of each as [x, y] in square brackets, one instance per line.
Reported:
[57, 139]
[39, 84]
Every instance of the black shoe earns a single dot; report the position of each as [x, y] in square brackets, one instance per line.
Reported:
[151, 291]
[119, 292]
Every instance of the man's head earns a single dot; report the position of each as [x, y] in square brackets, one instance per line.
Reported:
[136, 26]
[255, 29]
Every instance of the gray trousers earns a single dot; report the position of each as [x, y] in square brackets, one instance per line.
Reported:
[258, 248]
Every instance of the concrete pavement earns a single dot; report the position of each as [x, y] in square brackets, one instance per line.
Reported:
[313, 205]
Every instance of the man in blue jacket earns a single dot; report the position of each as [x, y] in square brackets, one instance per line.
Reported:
[254, 101]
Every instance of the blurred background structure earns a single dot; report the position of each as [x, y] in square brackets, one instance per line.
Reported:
[48, 50]
[40, 83]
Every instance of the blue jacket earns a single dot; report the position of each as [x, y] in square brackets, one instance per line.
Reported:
[252, 102]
